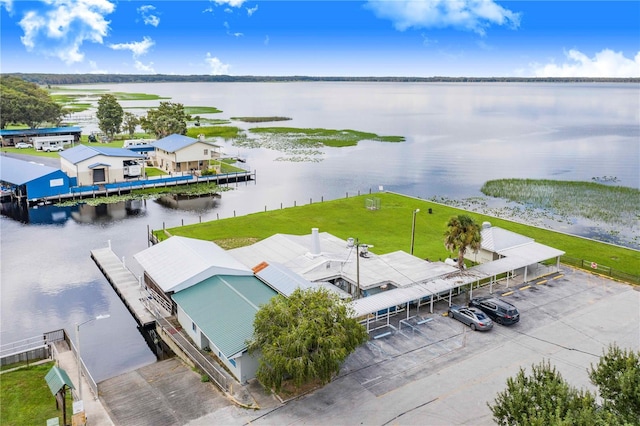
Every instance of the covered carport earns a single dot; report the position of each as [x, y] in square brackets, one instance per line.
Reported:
[382, 306]
[525, 258]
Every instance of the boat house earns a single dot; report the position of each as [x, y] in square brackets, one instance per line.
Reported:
[26, 180]
[89, 165]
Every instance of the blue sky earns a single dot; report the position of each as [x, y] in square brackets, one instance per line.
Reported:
[421, 38]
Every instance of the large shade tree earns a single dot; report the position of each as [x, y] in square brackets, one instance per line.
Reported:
[543, 397]
[462, 233]
[110, 115]
[130, 122]
[22, 102]
[304, 337]
[617, 376]
[169, 118]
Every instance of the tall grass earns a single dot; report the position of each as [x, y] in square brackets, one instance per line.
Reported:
[591, 200]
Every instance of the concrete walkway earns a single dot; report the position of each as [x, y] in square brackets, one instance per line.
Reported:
[94, 410]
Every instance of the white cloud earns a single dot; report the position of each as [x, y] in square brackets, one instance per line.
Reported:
[148, 16]
[226, 25]
[232, 3]
[470, 15]
[61, 29]
[217, 67]
[144, 68]
[251, 11]
[8, 4]
[605, 63]
[137, 48]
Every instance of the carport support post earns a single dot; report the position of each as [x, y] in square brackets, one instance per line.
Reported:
[431, 303]
[450, 291]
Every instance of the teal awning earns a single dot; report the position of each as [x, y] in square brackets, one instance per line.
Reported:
[57, 378]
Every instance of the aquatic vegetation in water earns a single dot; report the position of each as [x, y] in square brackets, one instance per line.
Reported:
[260, 119]
[603, 212]
[191, 190]
[304, 144]
[591, 200]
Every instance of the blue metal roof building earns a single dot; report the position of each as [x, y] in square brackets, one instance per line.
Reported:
[80, 153]
[41, 132]
[31, 180]
[173, 143]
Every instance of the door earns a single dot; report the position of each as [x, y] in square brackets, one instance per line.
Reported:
[98, 175]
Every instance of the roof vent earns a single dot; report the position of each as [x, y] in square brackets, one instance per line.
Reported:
[486, 225]
[315, 242]
[350, 242]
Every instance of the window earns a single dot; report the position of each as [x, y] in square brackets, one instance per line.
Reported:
[206, 151]
[193, 326]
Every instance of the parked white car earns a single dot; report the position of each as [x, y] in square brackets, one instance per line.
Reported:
[53, 148]
[23, 145]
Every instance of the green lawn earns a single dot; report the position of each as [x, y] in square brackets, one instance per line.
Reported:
[389, 229]
[26, 398]
[154, 171]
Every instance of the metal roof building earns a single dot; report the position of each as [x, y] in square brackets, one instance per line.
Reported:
[30, 180]
[322, 257]
[218, 313]
[178, 263]
[81, 153]
[179, 153]
[40, 132]
[173, 143]
[91, 165]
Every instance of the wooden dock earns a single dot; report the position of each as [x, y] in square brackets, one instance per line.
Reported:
[125, 284]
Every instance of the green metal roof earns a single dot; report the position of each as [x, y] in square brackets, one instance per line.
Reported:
[56, 378]
[223, 307]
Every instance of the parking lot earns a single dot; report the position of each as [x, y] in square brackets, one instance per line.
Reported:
[438, 371]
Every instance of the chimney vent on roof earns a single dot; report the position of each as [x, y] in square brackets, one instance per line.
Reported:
[315, 242]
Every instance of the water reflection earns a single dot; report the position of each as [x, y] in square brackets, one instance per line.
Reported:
[182, 202]
[37, 215]
[109, 212]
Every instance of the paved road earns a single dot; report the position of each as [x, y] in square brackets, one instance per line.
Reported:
[447, 374]
[436, 373]
[47, 161]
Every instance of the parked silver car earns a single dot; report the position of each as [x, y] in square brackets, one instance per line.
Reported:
[474, 318]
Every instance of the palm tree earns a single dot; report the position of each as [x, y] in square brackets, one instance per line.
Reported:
[462, 234]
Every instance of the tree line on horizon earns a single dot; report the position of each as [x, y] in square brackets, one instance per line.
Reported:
[59, 79]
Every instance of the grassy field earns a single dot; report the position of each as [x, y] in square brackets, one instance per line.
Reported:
[26, 398]
[389, 229]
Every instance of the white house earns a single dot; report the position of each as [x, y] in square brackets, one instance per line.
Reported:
[97, 165]
[214, 297]
[178, 153]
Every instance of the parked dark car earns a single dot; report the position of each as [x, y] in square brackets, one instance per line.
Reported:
[497, 309]
[474, 318]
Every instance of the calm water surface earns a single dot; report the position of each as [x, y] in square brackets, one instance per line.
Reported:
[457, 137]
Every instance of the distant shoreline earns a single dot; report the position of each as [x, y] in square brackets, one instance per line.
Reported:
[66, 79]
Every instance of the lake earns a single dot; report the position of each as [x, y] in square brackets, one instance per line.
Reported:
[457, 137]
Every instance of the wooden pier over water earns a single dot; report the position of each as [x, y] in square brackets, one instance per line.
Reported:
[125, 284]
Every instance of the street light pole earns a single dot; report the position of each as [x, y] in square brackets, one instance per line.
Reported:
[78, 357]
[413, 229]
